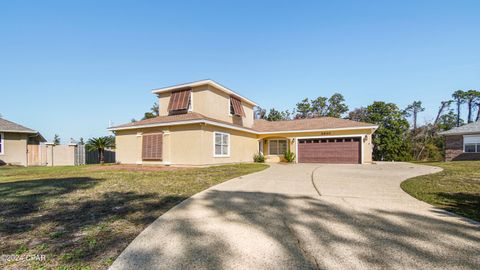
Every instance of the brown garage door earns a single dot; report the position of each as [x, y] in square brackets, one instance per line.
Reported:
[333, 150]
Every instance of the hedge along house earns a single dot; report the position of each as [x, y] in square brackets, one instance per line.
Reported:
[203, 122]
[19, 145]
[462, 143]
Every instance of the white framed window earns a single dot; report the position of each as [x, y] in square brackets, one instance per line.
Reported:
[277, 147]
[221, 144]
[471, 144]
[2, 144]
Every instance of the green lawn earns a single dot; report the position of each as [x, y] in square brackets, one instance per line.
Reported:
[456, 188]
[83, 217]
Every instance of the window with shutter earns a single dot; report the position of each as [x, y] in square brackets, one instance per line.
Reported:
[236, 107]
[179, 101]
[152, 145]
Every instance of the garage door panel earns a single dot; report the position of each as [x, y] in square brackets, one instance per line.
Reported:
[339, 150]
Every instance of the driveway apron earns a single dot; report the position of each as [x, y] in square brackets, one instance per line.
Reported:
[308, 216]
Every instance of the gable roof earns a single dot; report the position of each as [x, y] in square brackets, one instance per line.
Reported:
[259, 127]
[9, 126]
[200, 83]
[465, 129]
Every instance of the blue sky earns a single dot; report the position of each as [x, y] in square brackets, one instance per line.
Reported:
[70, 67]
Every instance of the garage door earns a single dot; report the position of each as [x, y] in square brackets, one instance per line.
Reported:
[332, 150]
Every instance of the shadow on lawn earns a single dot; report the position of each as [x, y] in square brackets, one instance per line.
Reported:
[76, 217]
[464, 204]
[310, 234]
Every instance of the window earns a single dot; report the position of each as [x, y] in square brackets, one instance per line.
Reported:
[232, 111]
[1, 144]
[471, 144]
[221, 144]
[277, 147]
[152, 145]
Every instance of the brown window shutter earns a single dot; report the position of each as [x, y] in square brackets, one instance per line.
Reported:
[179, 100]
[152, 145]
[237, 107]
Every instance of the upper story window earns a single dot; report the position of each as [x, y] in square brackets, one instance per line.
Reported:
[236, 107]
[180, 102]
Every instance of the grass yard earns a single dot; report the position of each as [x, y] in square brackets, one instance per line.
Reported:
[455, 189]
[83, 217]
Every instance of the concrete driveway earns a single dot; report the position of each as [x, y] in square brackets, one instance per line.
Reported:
[308, 216]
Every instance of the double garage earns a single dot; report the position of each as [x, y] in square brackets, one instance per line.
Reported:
[345, 150]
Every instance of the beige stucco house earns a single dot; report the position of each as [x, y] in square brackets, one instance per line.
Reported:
[18, 144]
[204, 123]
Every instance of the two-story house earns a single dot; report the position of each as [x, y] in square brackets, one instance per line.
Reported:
[204, 123]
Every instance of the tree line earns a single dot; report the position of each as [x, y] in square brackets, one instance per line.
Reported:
[395, 138]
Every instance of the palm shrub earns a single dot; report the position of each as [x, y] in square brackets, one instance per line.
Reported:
[289, 156]
[259, 158]
[100, 144]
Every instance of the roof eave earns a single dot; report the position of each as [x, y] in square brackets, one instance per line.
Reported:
[19, 131]
[203, 82]
[206, 121]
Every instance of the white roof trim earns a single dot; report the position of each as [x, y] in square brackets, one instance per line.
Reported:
[316, 130]
[19, 131]
[213, 123]
[200, 83]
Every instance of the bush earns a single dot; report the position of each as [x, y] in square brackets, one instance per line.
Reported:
[259, 158]
[289, 156]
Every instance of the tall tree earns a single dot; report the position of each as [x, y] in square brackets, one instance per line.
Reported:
[448, 121]
[477, 104]
[56, 139]
[319, 107]
[358, 114]
[459, 98]
[100, 144]
[471, 97]
[443, 106]
[336, 105]
[274, 115]
[303, 109]
[154, 112]
[389, 139]
[413, 110]
[260, 113]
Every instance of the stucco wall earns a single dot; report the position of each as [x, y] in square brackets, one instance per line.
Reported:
[366, 141]
[14, 149]
[193, 144]
[128, 148]
[186, 145]
[212, 103]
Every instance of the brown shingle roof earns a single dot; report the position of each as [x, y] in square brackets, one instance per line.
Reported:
[306, 124]
[165, 119]
[259, 125]
[6, 125]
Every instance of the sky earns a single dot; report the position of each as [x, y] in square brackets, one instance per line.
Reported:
[72, 67]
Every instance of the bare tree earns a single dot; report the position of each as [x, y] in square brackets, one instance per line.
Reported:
[459, 98]
[471, 97]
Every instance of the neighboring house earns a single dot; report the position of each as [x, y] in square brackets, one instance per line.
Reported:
[19, 145]
[206, 123]
[463, 143]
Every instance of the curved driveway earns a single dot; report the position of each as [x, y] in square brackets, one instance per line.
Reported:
[276, 219]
